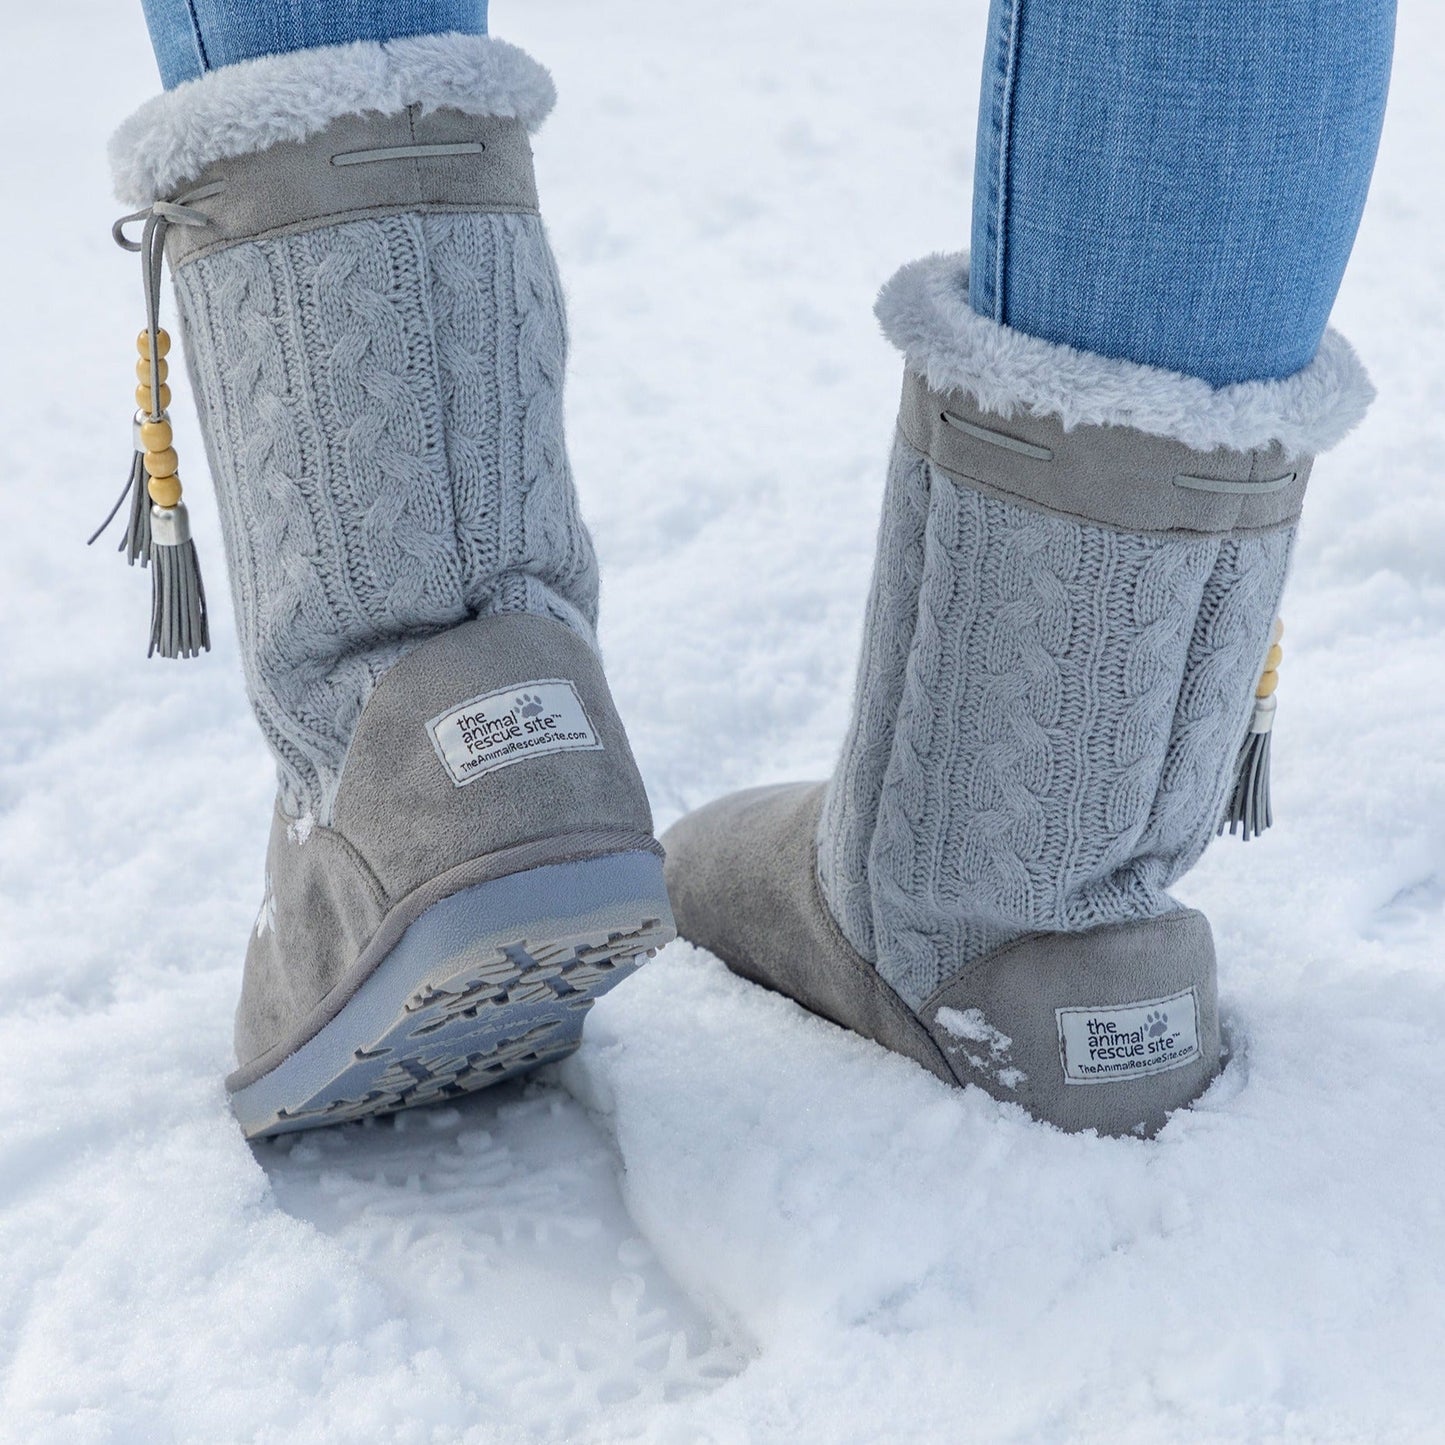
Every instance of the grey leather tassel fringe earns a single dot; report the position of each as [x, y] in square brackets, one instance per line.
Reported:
[135, 541]
[179, 626]
[1249, 806]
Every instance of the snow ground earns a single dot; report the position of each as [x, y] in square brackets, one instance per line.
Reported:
[723, 1220]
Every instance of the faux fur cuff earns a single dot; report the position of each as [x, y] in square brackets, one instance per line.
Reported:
[925, 313]
[255, 104]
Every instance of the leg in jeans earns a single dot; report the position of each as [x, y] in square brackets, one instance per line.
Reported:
[461, 853]
[1176, 184]
[192, 37]
[1068, 662]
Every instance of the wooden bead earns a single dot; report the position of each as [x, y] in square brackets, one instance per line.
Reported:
[164, 491]
[1278, 632]
[143, 343]
[143, 398]
[1267, 685]
[162, 464]
[143, 369]
[1273, 658]
[155, 435]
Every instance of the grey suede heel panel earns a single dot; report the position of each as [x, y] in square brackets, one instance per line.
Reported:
[322, 904]
[403, 835]
[1110, 476]
[400, 808]
[742, 879]
[1006, 1030]
[337, 175]
[742, 876]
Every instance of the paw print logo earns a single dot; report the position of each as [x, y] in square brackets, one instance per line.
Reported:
[1156, 1023]
[528, 704]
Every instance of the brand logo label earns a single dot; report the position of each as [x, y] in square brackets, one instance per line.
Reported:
[1101, 1045]
[501, 728]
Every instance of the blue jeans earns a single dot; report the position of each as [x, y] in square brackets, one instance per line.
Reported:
[191, 37]
[1176, 182]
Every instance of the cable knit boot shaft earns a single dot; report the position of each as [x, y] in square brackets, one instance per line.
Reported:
[375, 334]
[1070, 708]
[1078, 572]
[383, 400]
[461, 857]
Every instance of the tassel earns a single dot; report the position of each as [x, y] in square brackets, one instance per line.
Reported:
[158, 532]
[1249, 805]
[135, 541]
[179, 626]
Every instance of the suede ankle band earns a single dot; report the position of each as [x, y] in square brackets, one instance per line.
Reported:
[361, 166]
[1110, 476]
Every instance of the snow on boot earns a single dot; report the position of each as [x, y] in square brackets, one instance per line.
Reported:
[1079, 566]
[461, 858]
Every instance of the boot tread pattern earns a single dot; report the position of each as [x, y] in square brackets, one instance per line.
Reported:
[520, 1009]
[489, 983]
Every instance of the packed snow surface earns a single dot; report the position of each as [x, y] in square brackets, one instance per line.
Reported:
[723, 1220]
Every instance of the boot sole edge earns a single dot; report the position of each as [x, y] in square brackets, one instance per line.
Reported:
[490, 982]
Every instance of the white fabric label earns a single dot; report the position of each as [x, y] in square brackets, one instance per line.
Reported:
[500, 728]
[1101, 1045]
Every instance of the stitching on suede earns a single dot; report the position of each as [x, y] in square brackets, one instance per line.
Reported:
[1000, 957]
[860, 967]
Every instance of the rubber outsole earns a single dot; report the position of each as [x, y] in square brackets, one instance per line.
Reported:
[487, 984]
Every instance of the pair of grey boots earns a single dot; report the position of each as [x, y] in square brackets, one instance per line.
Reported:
[1078, 571]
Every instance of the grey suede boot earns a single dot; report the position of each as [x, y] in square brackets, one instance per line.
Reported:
[1079, 566]
[461, 858]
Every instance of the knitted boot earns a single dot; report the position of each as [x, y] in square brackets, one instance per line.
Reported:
[1078, 572]
[461, 857]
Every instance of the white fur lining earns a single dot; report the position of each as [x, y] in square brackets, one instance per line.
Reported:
[250, 106]
[925, 313]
